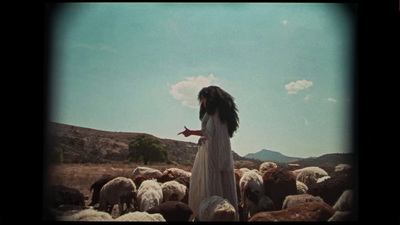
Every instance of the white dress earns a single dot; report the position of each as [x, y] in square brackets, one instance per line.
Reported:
[213, 171]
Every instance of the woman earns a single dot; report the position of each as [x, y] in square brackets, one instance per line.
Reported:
[213, 171]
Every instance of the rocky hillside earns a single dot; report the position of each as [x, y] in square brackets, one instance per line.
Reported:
[73, 144]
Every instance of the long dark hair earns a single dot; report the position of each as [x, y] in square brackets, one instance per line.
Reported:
[221, 100]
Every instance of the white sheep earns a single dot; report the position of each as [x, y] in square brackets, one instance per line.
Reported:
[142, 170]
[216, 208]
[293, 166]
[321, 179]
[179, 175]
[141, 216]
[176, 172]
[267, 165]
[308, 177]
[119, 190]
[173, 191]
[316, 170]
[301, 187]
[87, 215]
[251, 192]
[149, 195]
[244, 170]
[342, 167]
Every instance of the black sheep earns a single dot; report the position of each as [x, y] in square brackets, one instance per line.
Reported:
[96, 187]
[331, 189]
[61, 195]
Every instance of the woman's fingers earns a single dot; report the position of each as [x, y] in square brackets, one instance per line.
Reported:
[183, 131]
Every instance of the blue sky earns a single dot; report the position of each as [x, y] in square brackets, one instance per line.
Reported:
[138, 67]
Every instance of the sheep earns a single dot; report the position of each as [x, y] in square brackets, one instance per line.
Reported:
[322, 179]
[342, 167]
[342, 216]
[138, 179]
[251, 185]
[179, 175]
[65, 210]
[316, 170]
[149, 195]
[258, 203]
[238, 176]
[267, 165]
[176, 172]
[62, 195]
[253, 199]
[279, 183]
[216, 208]
[301, 187]
[344, 207]
[141, 216]
[172, 211]
[293, 166]
[173, 190]
[331, 189]
[244, 170]
[140, 170]
[87, 215]
[96, 187]
[309, 211]
[345, 201]
[292, 200]
[347, 171]
[307, 177]
[119, 190]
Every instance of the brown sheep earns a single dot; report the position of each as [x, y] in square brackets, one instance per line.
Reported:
[309, 211]
[172, 211]
[279, 183]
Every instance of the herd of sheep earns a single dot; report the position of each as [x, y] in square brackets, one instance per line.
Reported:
[271, 193]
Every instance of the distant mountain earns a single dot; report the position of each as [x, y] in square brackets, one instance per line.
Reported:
[271, 156]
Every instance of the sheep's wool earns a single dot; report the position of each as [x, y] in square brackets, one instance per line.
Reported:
[213, 171]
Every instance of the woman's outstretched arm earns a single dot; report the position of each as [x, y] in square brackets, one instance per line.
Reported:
[188, 132]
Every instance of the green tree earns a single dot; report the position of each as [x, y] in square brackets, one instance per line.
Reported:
[147, 148]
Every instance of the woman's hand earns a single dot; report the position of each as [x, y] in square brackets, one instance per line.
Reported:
[186, 132]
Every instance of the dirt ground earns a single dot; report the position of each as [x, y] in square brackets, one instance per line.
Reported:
[82, 176]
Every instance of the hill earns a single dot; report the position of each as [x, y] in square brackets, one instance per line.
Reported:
[74, 144]
[328, 160]
[271, 156]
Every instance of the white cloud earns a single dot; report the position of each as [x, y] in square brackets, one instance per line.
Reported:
[331, 100]
[294, 87]
[307, 97]
[187, 90]
[284, 22]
